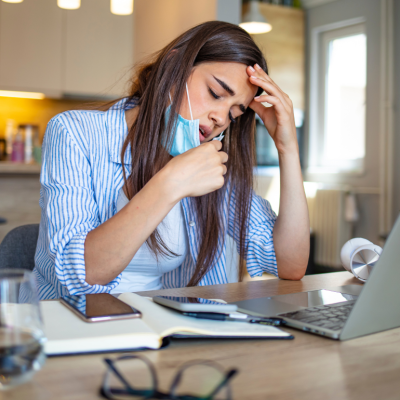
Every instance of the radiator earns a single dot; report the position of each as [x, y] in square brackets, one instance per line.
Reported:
[328, 223]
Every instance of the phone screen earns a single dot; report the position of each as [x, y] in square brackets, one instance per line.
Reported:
[99, 307]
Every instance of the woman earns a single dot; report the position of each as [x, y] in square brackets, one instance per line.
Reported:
[140, 196]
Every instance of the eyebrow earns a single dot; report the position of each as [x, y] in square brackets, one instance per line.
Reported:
[230, 91]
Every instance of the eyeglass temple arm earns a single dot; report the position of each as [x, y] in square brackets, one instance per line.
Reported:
[230, 374]
[116, 372]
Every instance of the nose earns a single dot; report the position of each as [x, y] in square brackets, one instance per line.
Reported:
[220, 116]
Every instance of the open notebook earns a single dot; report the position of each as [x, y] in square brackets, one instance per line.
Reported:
[67, 334]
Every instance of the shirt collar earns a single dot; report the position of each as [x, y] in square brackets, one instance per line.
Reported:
[117, 129]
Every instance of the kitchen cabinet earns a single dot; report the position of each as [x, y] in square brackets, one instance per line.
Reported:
[65, 53]
[30, 46]
[98, 50]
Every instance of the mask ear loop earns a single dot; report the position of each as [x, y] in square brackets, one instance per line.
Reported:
[220, 136]
[190, 107]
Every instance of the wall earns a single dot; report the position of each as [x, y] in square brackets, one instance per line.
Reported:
[19, 201]
[396, 177]
[229, 11]
[168, 20]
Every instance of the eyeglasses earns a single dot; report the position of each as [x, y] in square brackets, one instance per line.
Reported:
[133, 376]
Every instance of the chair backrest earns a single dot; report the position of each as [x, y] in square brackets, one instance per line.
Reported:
[17, 250]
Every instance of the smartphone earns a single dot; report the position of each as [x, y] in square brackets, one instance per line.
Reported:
[99, 307]
[194, 304]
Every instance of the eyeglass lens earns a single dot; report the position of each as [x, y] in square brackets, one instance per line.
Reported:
[135, 377]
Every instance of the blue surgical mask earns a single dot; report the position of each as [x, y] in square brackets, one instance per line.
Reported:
[186, 132]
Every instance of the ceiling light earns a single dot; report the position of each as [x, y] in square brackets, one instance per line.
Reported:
[22, 95]
[69, 4]
[13, 1]
[253, 20]
[122, 7]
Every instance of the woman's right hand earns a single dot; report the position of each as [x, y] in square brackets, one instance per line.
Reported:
[197, 171]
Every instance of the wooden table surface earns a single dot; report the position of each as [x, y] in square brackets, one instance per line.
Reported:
[308, 367]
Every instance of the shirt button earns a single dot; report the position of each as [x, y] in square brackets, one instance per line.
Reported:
[192, 223]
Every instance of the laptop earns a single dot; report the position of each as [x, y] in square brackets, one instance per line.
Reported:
[343, 312]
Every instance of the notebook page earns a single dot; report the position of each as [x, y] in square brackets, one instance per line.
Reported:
[67, 333]
[166, 322]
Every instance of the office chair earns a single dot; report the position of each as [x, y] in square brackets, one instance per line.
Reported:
[17, 250]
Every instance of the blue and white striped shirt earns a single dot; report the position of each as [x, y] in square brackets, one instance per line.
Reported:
[80, 180]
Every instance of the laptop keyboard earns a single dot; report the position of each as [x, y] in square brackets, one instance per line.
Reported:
[329, 316]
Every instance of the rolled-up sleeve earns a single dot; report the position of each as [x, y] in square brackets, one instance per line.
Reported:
[259, 241]
[69, 208]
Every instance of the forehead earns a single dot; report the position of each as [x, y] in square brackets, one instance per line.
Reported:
[234, 75]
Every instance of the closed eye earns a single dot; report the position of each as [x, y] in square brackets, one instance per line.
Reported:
[213, 94]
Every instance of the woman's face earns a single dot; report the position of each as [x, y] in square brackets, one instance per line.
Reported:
[219, 92]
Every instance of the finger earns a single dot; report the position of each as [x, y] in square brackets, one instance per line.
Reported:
[223, 156]
[260, 73]
[215, 143]
[264, 98]
[270, 89]
[263, 75]
[257, 107]
[280, 110]
[224, 170]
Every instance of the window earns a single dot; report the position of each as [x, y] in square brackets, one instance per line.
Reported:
[338, 109]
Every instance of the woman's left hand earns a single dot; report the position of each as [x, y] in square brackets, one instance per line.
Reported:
[278, 119]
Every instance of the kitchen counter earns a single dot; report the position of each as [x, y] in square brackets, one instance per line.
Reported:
[19, 197]
[7, 167]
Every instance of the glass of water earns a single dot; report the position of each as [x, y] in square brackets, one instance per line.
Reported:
[21, 330]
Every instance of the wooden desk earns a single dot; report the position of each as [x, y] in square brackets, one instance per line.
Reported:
[308, 367]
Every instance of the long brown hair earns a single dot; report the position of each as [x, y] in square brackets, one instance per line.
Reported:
[169, 69]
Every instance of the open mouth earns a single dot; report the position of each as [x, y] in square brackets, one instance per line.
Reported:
[201, 134]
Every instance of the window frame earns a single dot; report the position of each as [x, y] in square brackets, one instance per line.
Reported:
[321, 37]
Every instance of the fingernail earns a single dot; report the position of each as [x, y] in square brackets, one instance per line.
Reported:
[257, 97]
[258, 67]
[252, 69]
[254, 77]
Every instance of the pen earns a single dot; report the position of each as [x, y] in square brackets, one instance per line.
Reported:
[236, 318]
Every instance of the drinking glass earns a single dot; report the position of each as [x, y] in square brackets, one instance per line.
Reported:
[21, 331]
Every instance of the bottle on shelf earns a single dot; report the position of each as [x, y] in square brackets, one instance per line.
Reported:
[9, 135]
[18, 150]
[28, 136]
[37, 147]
